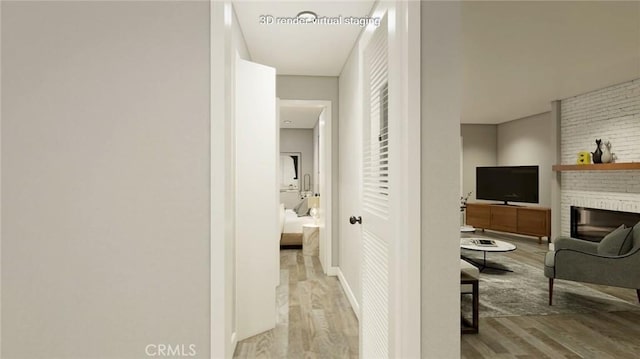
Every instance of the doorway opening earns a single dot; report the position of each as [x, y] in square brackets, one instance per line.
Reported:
[305, 134]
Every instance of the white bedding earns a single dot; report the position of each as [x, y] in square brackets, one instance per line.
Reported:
[293, 223]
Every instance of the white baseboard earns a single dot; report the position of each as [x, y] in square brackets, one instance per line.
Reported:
[347, 290]
[333, 271]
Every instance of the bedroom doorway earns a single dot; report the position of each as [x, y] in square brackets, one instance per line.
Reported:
[314, 170]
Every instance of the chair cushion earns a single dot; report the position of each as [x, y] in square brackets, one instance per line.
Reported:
[635, 236]
[549, 259]
[615, 243]
[549, 264]
[470, 269]
[632, 240]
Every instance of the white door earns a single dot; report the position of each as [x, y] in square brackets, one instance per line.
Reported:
[376, 225]
[257, 231]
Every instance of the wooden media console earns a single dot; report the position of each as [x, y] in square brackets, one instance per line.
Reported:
[531, 221]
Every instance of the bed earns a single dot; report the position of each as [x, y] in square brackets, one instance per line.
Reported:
[291, 227]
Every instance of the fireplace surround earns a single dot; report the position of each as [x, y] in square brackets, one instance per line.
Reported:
[592, 224]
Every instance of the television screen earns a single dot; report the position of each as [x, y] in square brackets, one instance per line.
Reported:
[507, 183]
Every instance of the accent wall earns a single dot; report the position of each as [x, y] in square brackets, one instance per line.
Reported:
[611, 114]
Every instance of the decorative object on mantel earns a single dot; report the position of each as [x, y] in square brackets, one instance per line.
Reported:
[597, 154]
[607, 156]
[584, 158]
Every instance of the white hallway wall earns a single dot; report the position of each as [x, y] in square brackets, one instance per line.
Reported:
[441, 81]
[318, 88]
[105, 178]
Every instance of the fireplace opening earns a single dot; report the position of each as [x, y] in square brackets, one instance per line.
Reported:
[593, 224]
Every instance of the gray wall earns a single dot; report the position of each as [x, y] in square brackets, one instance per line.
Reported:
[318, 88]
[105, 178]
[519, 142]
[527, 141]
[299, 140]
[478, 149]
[440, 175]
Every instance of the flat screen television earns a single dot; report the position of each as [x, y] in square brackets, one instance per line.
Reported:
[507, 183]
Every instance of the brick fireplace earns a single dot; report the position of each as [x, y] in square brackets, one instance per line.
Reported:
[611, 114]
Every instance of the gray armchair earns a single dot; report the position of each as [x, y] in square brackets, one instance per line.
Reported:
[614, 261]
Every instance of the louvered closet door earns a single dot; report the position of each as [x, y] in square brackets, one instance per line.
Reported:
[374, 322]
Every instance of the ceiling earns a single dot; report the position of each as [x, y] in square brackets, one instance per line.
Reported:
[299, 116]
[294, 49]
[518, 56]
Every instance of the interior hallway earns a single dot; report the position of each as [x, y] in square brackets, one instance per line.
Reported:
[314, 317]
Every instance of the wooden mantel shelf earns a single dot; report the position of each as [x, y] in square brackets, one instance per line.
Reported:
[599, 167]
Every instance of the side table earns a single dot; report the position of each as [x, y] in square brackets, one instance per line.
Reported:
[310, 240]
[471, 327]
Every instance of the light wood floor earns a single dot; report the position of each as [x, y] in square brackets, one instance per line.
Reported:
[603, 335]
[315, 320]
[314, 317]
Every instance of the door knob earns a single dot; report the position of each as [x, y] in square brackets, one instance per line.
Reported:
[354, 219]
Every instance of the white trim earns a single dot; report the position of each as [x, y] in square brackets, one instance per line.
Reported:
[0, 188]
[326, 173]
[276, 245]
[349, 293]
[333, 271]
[222, 312]
[217, 203]
[405, 286]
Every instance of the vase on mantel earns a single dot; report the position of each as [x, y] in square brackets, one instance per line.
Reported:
[607, 156]
[597, 154]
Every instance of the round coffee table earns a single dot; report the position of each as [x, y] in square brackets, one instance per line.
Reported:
[467, 229]
[500, 246]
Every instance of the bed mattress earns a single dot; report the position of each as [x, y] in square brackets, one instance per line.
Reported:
[293, 223]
